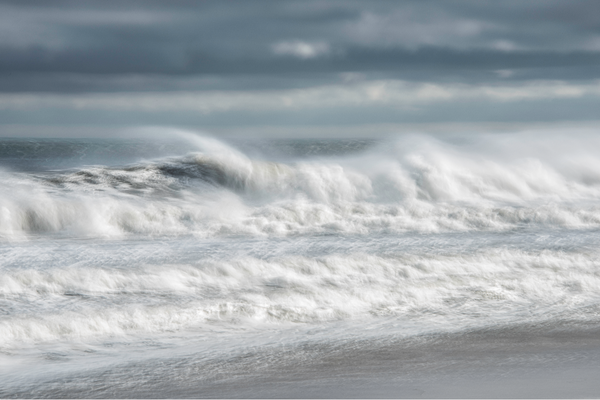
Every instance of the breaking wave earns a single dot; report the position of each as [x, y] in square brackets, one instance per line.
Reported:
[413, 183]
[448, 290]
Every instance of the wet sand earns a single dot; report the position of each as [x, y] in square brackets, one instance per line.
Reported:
[510, 363]
[478, 365]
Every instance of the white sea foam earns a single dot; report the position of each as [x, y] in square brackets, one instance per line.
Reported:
[218, 250]
[459, 290]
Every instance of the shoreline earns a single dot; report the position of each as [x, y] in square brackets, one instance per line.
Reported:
[516, 362]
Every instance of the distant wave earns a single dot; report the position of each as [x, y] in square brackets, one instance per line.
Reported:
[415, 183]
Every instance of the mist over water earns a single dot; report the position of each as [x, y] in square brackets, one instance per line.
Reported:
[129, 250]
[413, 183]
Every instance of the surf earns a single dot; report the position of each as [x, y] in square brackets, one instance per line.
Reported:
[412, 183]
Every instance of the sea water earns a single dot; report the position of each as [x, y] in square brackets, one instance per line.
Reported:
[170, 259]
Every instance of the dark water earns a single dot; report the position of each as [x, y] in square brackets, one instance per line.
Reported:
[44, 154]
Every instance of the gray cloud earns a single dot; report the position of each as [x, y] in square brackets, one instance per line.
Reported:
[199, 38]
[426, 64]
[241, 62]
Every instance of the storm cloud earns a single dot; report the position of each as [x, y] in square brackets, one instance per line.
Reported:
[269, 50]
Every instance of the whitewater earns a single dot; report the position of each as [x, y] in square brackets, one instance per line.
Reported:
[181, 264]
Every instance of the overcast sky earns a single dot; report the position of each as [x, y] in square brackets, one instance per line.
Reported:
[318, 67]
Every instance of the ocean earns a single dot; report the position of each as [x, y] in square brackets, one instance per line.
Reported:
[182, 265]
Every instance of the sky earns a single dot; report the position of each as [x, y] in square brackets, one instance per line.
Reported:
[300, 68]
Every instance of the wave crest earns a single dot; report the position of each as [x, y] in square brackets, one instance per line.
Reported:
[415, 183]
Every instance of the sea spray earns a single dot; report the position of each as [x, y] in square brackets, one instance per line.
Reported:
[412, 183]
